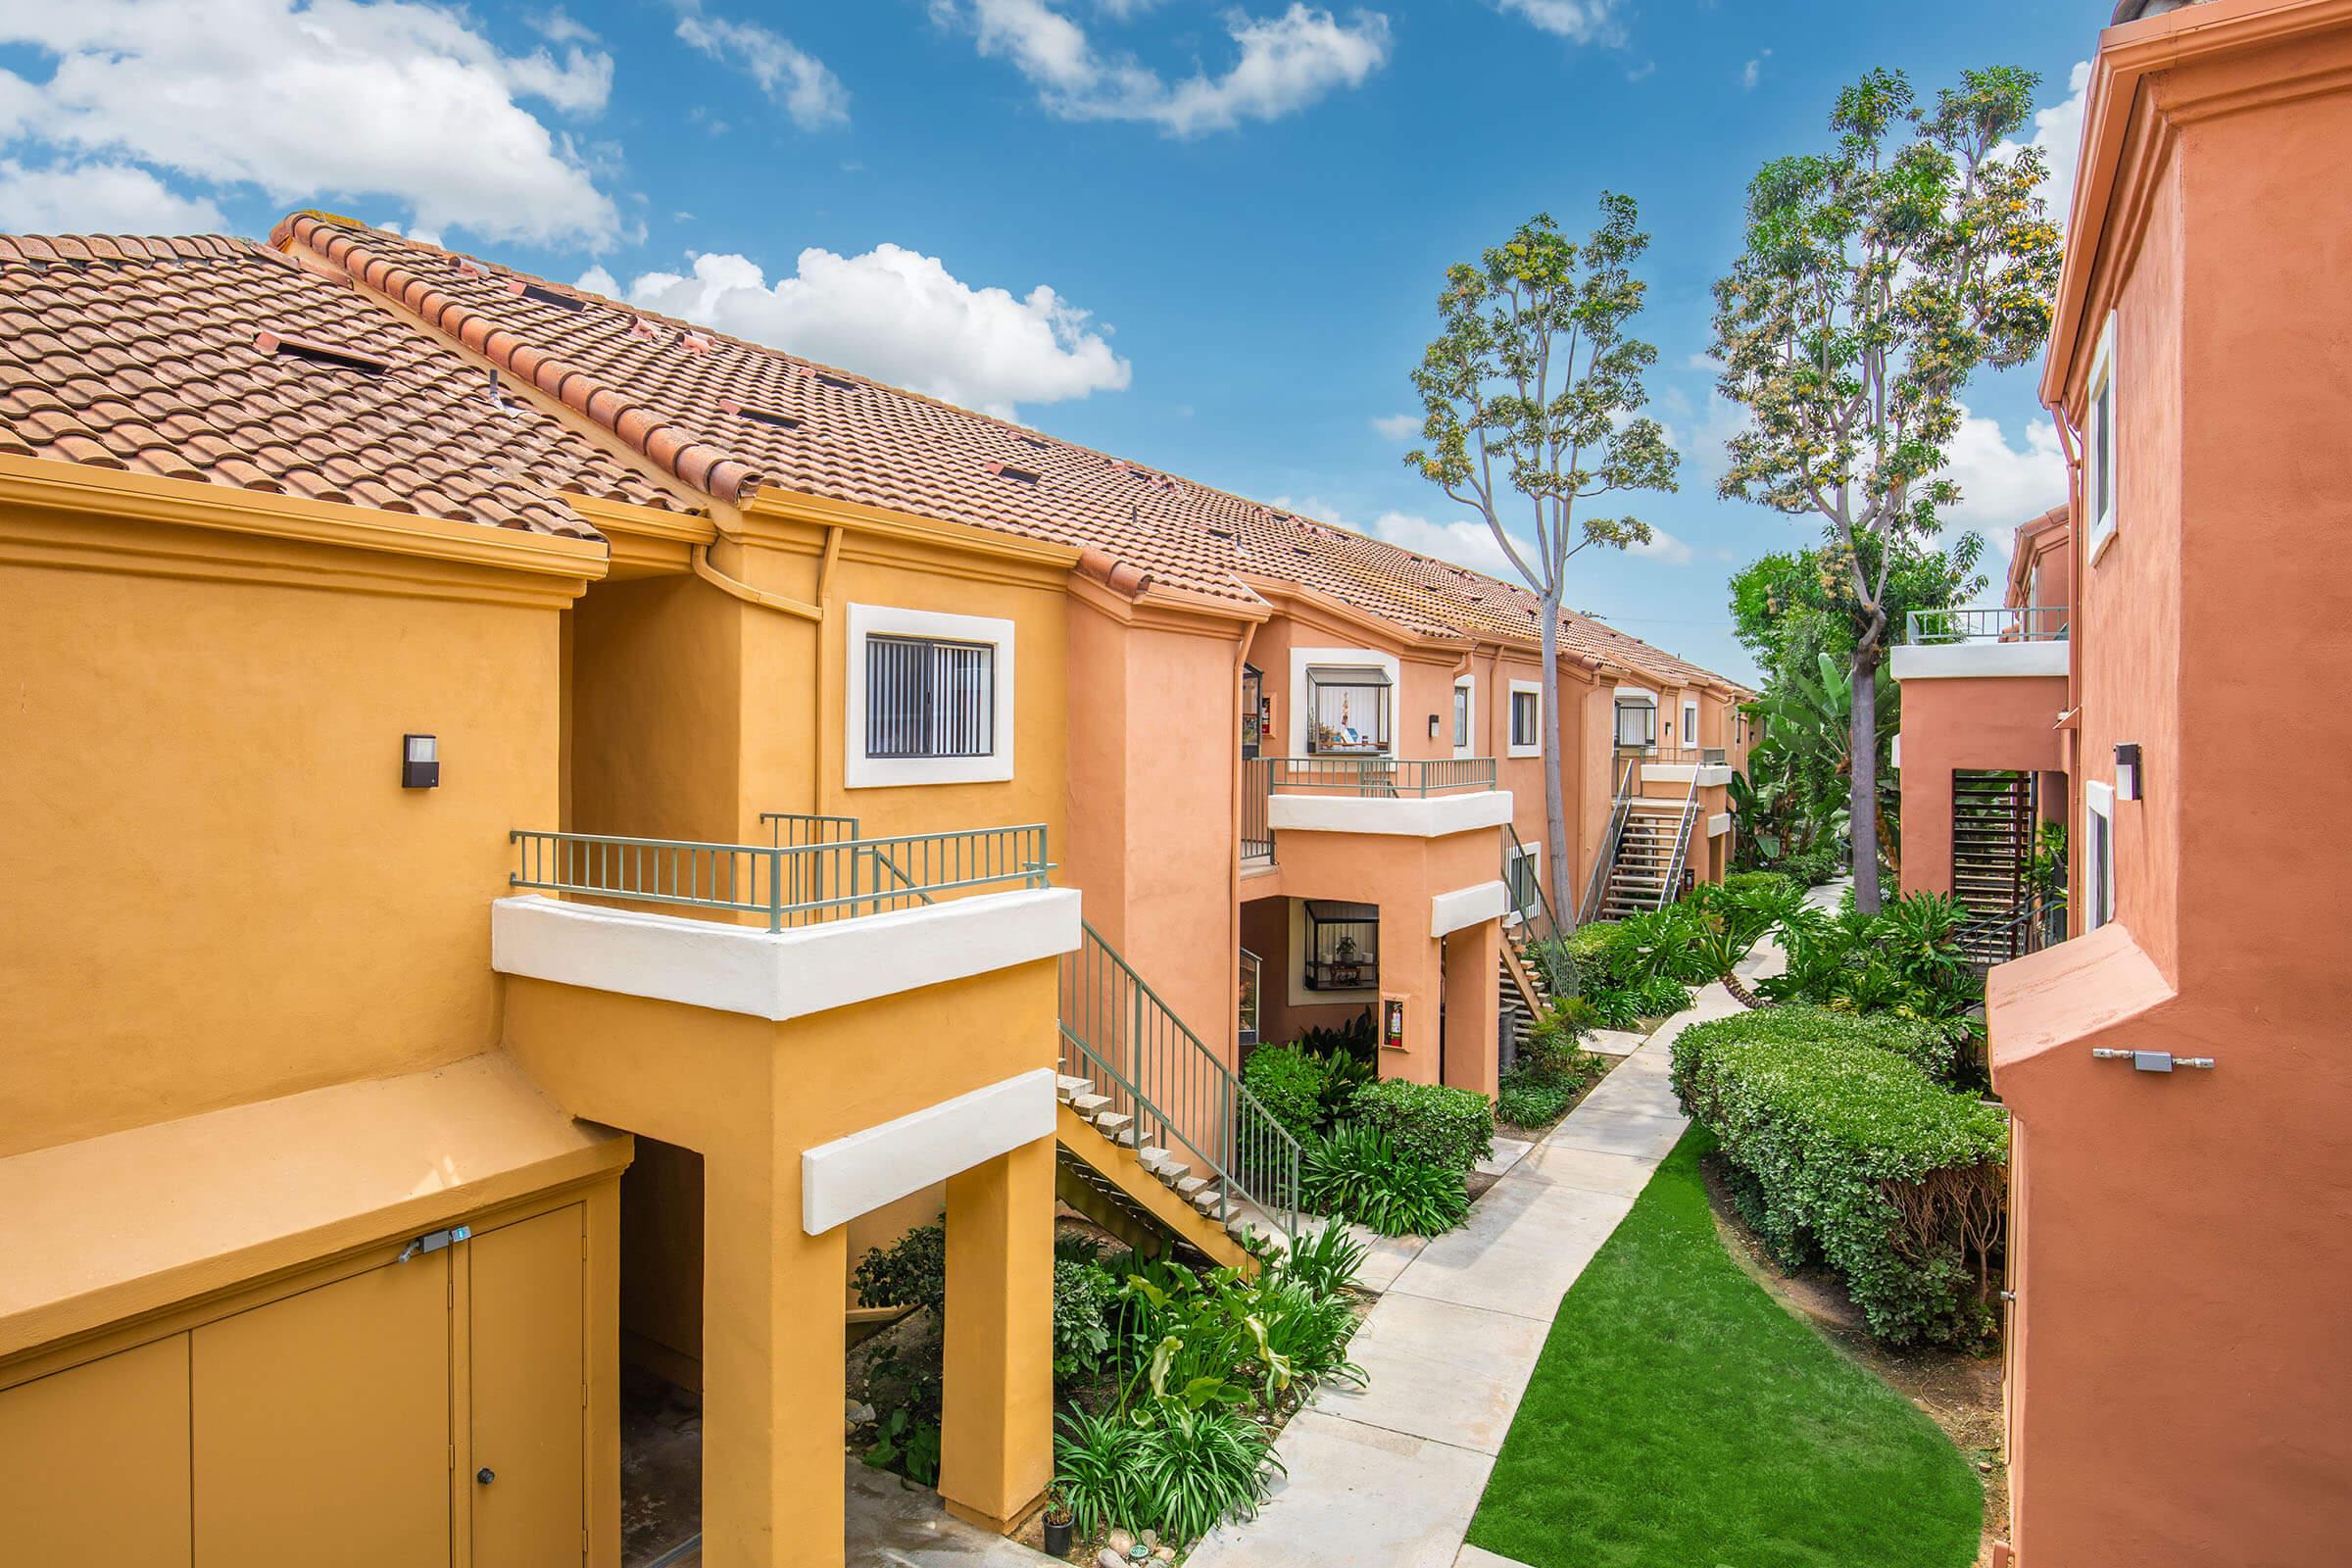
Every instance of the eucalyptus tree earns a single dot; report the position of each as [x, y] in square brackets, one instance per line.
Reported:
[1530, 391]
[1874, 279]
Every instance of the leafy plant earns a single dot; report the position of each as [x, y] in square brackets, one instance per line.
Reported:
[1082, 1293]
[912, 1271]
[1354, 1038]
[1534, 1092]
[908, 1444]
[1098, 1459]
[1198, 1467]
[1429, 1123]
[1554, 961]
[1356, 1171]
[1289, 1081]
[1324, 1260]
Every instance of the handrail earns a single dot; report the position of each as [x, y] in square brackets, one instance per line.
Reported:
[1682, 845]
[1180, 1094]
[1258, 787]
[789, 885]
[1627, 786]
[1514, 862]
[1419, 777]
[1689, 756]
[1987, 623]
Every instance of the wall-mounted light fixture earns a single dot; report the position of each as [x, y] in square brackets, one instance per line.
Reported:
[1432, 726]
[2126, 771]
[420, 761]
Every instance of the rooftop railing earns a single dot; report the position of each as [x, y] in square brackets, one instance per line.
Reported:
[787, 885]
[1687, 756]
[1992, 624]
[1378, 775]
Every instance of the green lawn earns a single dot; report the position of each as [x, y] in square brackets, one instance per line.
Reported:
[1680, 1418]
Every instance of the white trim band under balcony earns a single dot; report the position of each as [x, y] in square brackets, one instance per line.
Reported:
[1453, 911]
[896, 1159]
[778, 974]
[1406, 816]
[1977, 660]
[1711, 775]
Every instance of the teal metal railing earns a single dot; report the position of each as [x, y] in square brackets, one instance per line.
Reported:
[1525, 886]
[1117, 1033]
[789, 885]
[1605, 860]
[1987, 623]
[1258, 838]
[1673, 888]
[1378, 775]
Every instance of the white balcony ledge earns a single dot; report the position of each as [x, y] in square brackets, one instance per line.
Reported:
[1711, 775]
[1976, 660]
[778, 974]
[1412, 816]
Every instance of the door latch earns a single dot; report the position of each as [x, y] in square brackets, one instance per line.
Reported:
[435, 1240]
[2148, 1060]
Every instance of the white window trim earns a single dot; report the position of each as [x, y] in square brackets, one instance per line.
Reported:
[2102, 375]
[1534, 855]
[862, 772]
[1512, 748]
[2098, 799]
[1689, 721]
[1300, 658]
[1468, 748]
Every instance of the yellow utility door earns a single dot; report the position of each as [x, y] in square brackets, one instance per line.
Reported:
[94, 1462]
[528, 1392]
[322, 1425]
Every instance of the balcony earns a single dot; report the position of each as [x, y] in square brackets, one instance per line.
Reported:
[1415, 796]
[818, 918]
[1708, 766]
[1994, 640]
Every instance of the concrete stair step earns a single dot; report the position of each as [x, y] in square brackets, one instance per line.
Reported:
[1189, 1187]
[1069, 1088]
[1115, 1125]
[1090, 1106]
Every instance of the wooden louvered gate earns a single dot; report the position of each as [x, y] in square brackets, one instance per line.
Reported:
[1993, 814]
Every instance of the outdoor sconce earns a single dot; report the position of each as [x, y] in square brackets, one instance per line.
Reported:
[420, 761]
[1432, 726]
[2126, 771]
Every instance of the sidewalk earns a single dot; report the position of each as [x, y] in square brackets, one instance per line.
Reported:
[1388, 1476]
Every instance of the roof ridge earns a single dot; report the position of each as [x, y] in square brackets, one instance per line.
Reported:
[129, 249]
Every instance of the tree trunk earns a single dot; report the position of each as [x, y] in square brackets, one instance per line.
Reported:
[1738, 990]
[1862, 803]
[1559, 869]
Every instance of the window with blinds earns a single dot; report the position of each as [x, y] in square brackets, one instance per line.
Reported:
[929, 697]
[1527, 728]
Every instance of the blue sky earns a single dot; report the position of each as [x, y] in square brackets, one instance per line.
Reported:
[1203, 235]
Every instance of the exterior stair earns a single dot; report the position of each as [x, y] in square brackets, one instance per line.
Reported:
[1520, 985]
[1159, 1139]
[1646, 858]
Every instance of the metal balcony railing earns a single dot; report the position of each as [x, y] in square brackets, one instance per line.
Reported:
[1687, 756]
[1525, 889]
[1257, 836]
[1384, 776]
[1992, 624]
[787, 885]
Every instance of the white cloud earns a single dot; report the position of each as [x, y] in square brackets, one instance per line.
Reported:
[97, 199]
[1753, 71]
[324, 101]
[1466, 542]
[1285, 64]
[2001, 486]
[1577, 21]
[1397, 426]
[899, 316]
[1663, 547]
[810, 92]
[2058, 132]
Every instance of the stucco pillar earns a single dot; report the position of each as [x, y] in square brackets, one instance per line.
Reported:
[1473, 958]
[996, 1451]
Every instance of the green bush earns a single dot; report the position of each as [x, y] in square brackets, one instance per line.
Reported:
[1592, 949]
[1530, 1097]
[1289, 1081]
[1761, 881]
[1179, 1472]
[911, 1271]
[1430, 1123]
[1082, 1293]
[1356, 1172]
[1859, 1158]
[1553, 1039]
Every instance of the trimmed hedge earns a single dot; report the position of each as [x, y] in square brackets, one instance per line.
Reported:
[1429, 1123]
[1793, 1023]
[1743, 882]
[1849, 1153]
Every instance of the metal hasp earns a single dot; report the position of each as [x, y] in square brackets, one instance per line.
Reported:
[2148, 1060]
[435, 1240]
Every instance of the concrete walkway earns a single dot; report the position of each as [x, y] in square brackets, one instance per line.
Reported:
[1388, 1476]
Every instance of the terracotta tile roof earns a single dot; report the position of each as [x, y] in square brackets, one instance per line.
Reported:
[219, 359]
[727, 417]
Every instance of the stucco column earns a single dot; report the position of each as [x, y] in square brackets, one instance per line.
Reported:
[996, 1449]
[1473, 959]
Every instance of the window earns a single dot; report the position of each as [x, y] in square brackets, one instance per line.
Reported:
[1342, 946]
[2099, 445]
[929, 697]
[1461, 717]
[2098, 867]
[1637, 721]
[1526, 720]
[1347, 710]
[1689, 722]
[1523, 878]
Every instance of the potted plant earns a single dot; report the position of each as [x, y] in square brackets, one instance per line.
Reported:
[1058, 1526]
[1346, 973]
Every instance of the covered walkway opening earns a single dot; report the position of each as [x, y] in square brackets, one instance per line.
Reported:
[661, 1358]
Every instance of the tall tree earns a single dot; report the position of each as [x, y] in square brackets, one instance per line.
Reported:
[1875, 281]
[1531, 390]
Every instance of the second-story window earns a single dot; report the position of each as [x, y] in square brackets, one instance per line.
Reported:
[1689, 723]
[929, 697]
[1348, 710]
[1525, 705]
[2099, 445]
[1461, 717]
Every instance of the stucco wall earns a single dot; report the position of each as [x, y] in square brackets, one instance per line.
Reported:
[1994, 722]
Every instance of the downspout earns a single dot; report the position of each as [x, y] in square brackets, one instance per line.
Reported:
[784, 605]
[2070, 440]
[823, 679]
[1233, 946]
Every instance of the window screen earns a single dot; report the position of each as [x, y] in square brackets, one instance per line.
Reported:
[1525, 708]
[925, 698]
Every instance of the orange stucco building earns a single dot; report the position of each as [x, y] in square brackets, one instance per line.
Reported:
[2182, 1178]
[538, 833]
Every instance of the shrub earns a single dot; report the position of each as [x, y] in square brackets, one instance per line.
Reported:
[1354, 1038]
[1535, 1092]
[1859, 1158]
[1289, 1082]
[1430, 1123]
[1554, 961]
[1326, 1261]
[1905, 961]
[1594, 950]
[1197, 1468]
[1082, 1293]
[1096, 1464]
[912, 1271]
[1356, 1171]
[1761, 882]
